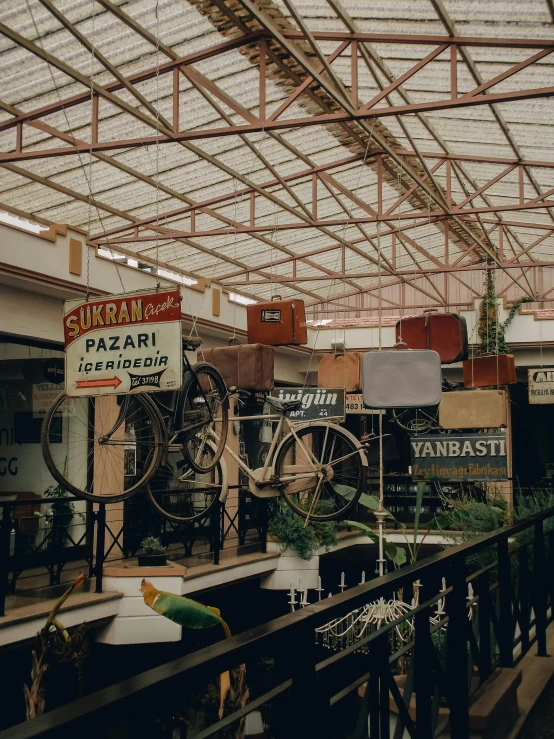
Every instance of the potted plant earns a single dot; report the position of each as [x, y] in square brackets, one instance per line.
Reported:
[154, 553]
[291, 533]
[59, 516]
[493, 365]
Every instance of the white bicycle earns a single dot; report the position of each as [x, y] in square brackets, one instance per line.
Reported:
[317, 467]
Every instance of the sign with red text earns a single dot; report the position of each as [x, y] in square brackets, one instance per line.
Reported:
[127, 343]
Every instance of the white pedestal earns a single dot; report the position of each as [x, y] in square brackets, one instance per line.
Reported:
[137, 623]
[290, 568]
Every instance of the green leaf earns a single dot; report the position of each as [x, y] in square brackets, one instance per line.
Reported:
[369, 501]
[397, 555]
[420, 489]
[394, 553]
[346, 491]
[360, 527]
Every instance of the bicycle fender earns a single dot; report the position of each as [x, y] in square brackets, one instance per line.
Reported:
[336, 426]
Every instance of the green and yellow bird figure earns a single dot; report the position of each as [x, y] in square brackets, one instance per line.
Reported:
[191, 615]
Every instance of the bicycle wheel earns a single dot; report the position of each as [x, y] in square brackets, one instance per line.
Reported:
[204, 417]
[181, 494]
[416, 420]
[320, 471]
[102, 449]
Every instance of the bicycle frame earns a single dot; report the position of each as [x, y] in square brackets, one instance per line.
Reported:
[168, 413]
[262, 473]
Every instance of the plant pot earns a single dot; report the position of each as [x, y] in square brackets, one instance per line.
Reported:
[152, 560]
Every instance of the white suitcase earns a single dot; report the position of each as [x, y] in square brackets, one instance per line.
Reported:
[402, 379]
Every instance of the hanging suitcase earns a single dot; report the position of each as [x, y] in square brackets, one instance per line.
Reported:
[402, 379]
[490, 370]
[246, 366]
[341, 370]
[473, 409]
[444, 333]
[277, 323]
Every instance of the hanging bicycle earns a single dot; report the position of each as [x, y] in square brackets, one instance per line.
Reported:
[318, 469]
[113, 445]
[421, 420]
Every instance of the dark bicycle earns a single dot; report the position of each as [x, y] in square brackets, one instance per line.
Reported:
[105, 448]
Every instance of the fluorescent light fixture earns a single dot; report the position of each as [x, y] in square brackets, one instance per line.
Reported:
[177, 277]
[108, 254]
[31, 226]
[236, 298]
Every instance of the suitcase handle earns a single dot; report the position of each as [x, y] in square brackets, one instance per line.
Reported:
[401, 346]
[233, 341]
[276, 297]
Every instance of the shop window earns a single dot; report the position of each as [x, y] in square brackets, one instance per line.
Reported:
[30, 378]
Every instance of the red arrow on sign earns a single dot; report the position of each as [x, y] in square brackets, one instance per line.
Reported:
[113, 382]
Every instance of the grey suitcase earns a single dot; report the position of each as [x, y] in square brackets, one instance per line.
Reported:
[402, 379]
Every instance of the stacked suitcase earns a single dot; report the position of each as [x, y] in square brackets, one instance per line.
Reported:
[444, 333]
[341, 370]
[245, 366]
[277, 323]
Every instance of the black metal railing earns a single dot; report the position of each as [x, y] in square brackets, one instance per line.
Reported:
[42, 546]
[417, 674]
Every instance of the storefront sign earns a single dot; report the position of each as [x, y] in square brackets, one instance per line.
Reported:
[316, 402]
[541, 385]
[355, 405]
[53, 370]
[44, 394]
[465, 457]
[124, 343]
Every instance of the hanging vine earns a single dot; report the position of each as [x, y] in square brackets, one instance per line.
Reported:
[492, 332]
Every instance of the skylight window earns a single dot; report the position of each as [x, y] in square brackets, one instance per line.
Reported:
[177, 277]
[31, 226]
[130, 262]
[236, 298]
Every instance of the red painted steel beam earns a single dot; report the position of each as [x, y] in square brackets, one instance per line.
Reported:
[267, 125]
[147, 74]
[433, 216]
[388, 38]
[399, 273]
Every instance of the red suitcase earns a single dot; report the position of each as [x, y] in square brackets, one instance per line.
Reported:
[490, 370]
[444, 333]
[341, 370]
[246, 366]
[277, 323]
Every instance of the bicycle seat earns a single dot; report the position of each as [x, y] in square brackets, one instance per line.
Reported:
[283, 405]
[191, 343]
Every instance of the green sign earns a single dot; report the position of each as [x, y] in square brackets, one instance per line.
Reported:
[464, 457]
[315, 402]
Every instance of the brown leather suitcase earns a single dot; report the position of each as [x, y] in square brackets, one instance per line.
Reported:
[444, 333]
[277, 323]
[341, 370]
[490, 370]
[473, 409]
[246, 366]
